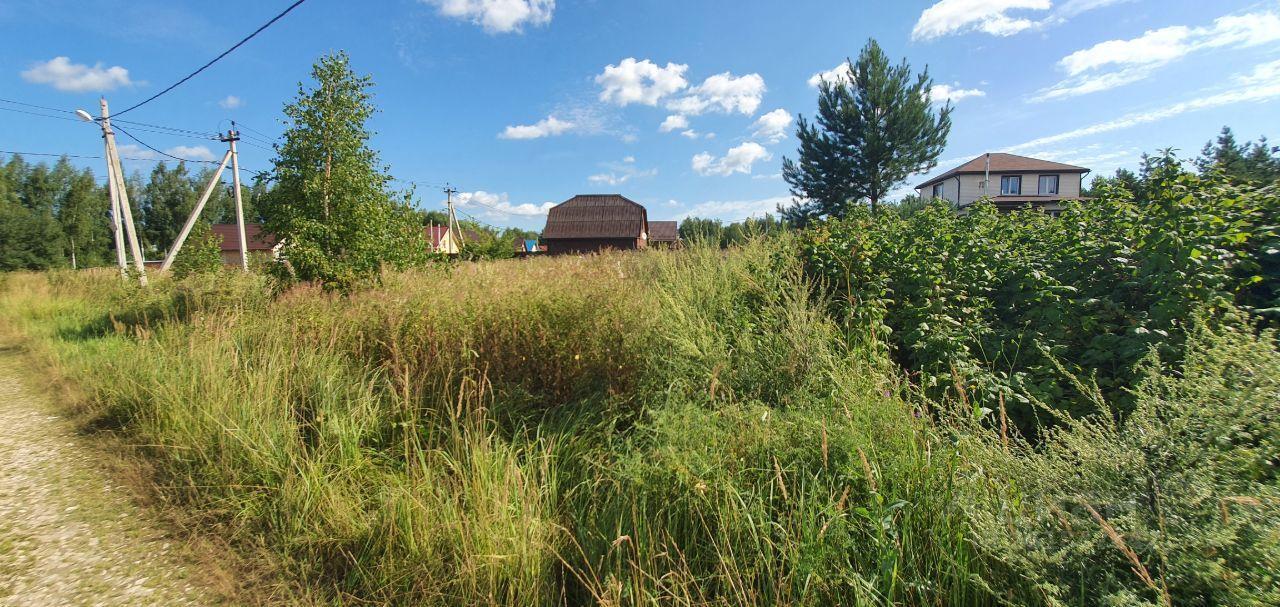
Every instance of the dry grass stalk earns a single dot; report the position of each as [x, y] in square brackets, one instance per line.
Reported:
[866, 470]
[781, 485]
[1004, 425]
[1138, 568]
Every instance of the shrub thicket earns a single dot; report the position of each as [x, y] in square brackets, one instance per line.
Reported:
[1008, 305]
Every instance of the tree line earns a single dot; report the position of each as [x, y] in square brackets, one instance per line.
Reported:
[58, 216]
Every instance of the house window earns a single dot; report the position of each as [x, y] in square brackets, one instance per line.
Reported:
[1010, 185]
[1048, 185]
[939, 191]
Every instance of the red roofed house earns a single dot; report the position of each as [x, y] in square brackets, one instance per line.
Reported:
[440, 240]
[259, 243]
[595, 222]
[1011, 181]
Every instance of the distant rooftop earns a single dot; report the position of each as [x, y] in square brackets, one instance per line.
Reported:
[1005, 163]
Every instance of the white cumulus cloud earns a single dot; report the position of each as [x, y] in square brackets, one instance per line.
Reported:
[772, 127]
[987, 16]
[643, 82]
[621, 172]
[230, 102]
[839, 72]
[62, 74]
[499, 205]
[941, 93]
[547, 127]
[724, 93]
[498, 16]
[673, 122]
[998, 17]
[191, 152]
[131, 151]
[739, 159]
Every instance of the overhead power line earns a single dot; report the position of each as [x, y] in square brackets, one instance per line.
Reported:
[32, 105]
[253, 130]
[143, 126]
[31, 113]
[166, 128]
[163, 153]
[158, 151]
[213, 61]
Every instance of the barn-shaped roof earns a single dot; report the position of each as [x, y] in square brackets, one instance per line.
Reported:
[596, 216]
[664, 231]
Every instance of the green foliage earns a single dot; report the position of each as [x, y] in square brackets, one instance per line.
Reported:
[687, 427]
[31, 236]
[82, 211]
[999, 301]
[166, 202]
[1257, 162]
[1178, 504]
[873, 130]
[332, 205]
[715, 233]
[200, 254]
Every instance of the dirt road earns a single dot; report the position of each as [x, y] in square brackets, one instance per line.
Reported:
[69, 535]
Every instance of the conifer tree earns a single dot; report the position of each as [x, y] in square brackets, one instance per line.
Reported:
[874, 128]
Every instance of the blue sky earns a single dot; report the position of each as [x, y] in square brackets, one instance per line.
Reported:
[686, 107]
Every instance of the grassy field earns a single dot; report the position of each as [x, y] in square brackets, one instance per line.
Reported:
[685, 428]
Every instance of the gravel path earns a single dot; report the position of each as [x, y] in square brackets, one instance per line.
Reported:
[69, 535]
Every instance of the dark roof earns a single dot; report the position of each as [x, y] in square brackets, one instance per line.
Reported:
[253, 235]
[1005, 163]
[664, 231]
[596, 216]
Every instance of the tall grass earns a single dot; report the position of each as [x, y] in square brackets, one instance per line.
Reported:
[682, 428]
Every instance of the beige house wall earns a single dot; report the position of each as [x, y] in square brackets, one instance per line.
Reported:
[966, 189]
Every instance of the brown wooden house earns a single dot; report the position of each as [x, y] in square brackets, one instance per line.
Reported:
[664, 234]
[595, 222]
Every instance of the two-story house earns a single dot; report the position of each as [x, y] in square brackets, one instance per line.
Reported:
[1011, 181]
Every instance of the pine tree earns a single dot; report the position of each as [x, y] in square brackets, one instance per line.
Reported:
[1240, 162]
[332, 205]
[872, 131]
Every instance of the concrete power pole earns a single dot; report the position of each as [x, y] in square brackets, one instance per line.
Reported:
[115, 174]
[232, 137]
[117, 228]
[455, 232]
[195, 214]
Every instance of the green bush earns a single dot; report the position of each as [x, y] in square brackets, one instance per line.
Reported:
[996, 303]
[202, 253]
[1178, 504]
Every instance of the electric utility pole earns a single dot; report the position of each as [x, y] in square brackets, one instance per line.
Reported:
[455, 232]
[231, 156]
[120, 195]
[232, 137]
